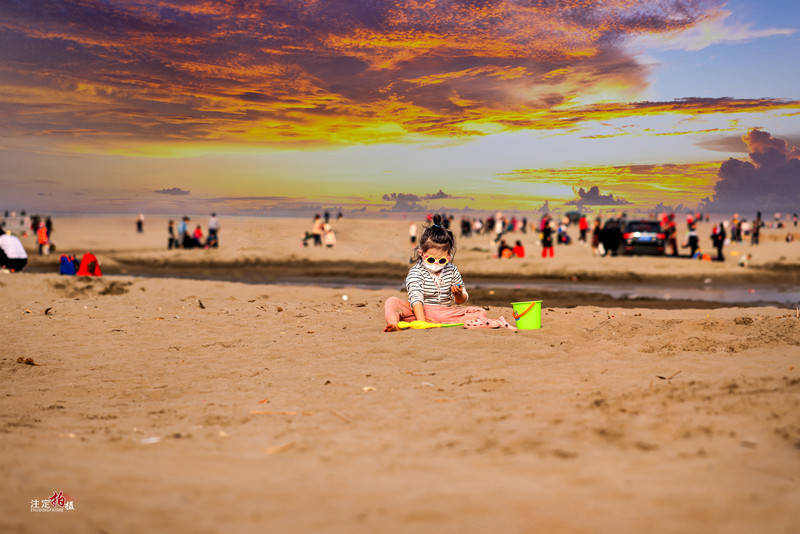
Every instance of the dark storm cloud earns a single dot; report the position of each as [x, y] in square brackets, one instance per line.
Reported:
[438, 195]
[663, 208]
[735, 143]
[593, 197]
[172, 191]
[410, 201]
[769, 181]
[403, 201]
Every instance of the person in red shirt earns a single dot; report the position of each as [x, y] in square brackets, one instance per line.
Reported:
[668, 227]
[41, 238]
[546, 236]
[198, 236]
[519, 250]
[583, 226]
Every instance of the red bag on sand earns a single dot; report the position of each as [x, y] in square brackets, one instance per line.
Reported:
[89, 266]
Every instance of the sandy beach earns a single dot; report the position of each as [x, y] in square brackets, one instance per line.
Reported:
[250, 205]
[257, 409]
[168, 404]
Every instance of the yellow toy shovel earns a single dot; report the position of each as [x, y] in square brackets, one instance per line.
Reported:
[421, 325]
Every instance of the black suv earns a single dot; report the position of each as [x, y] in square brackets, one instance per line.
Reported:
[643, 237]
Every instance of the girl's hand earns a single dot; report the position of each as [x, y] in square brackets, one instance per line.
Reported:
[459, 293]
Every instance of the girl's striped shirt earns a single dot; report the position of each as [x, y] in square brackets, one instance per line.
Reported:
[428, 288]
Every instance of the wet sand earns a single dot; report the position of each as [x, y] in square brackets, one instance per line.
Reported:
[203, 406]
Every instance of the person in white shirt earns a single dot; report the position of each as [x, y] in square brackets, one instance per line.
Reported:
[12, 253]
[329, 236]
[412, 233]
[213, 231]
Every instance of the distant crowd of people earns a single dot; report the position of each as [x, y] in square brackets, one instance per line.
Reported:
[608, 237]
[495, 225]
[13, 256]
[605, 237]
[498, 226]
[24, 224]
[185, 237]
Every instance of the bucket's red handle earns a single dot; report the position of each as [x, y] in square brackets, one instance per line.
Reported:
[514, 313]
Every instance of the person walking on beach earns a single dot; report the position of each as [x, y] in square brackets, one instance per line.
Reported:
[466, 227]
[596, 237]
[499, 227]
[213, 231]
[546, 236]
[583, 227]
[694, 240]
[611, 236]
[735, 228]
[316, 230]
[140, 223]
[41, 239]
[183, 233]
[755, 233]
[412, 233]
[718, 236]
[171, 241]
[671, 233]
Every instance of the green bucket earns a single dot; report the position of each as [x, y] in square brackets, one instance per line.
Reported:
[528, 314]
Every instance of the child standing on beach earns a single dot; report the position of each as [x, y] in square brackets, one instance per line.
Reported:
[434, 284]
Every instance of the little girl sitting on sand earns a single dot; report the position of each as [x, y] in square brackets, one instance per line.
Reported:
[433, 284]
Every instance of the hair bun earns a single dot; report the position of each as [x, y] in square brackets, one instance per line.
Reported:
[437, 220]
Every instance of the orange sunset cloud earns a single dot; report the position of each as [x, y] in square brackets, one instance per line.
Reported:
[324, 73]
[643, 185]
